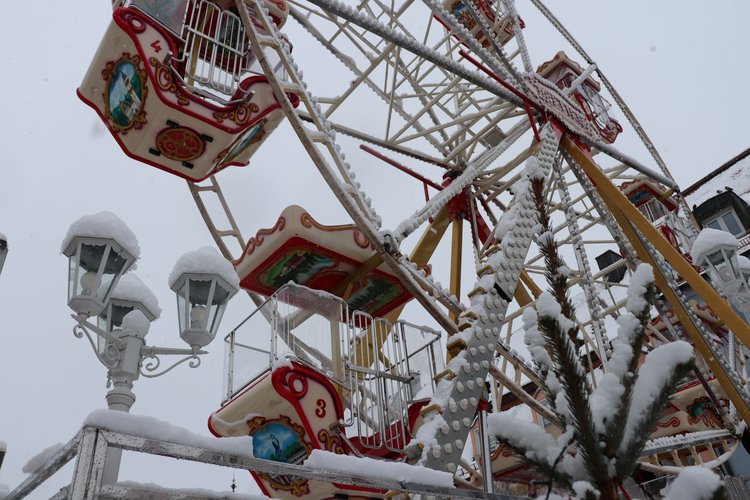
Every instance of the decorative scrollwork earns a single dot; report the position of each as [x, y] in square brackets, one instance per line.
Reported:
[152, 362]
[240, 115]
[331, 442]
[109, 357]
[165, 80]
[253, 243]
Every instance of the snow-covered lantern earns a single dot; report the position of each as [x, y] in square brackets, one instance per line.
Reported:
[716, 251]
[204, 282]
[129, 295]
[3, 250]
[100, 248]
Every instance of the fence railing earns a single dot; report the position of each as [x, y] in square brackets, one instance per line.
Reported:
[91, 444]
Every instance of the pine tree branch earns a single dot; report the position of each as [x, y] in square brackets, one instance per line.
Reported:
[615, 428]
[562, 350]
[542, 466]
[629, 451]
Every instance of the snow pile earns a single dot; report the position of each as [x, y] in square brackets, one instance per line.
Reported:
[694, 483]
[581, 488]
[130, 287]
[284, 361]
[41, 458]
[708, 240]
[534, 169]
[103, 225]
[137, 322]
[205, 260]
[398, 471]
[152, 428]
[735, 177]
[190, 492]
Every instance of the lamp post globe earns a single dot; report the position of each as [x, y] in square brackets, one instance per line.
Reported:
[130, 294]
[716, 251]
[100, 249]
[204, 281]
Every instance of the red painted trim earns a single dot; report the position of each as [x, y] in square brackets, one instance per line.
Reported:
[251, 282]
[276, 378]
[118, 17]
[140, 158]
[406, 170]
[527, 103]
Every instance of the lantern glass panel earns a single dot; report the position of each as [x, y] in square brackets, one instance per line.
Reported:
[716, 258]
[220, 299]
[112, 268]
[182, 306]
[201, 293]
[732, 259]
[73, 275]
[110, 320]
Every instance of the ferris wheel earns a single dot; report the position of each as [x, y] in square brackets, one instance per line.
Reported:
[452, 101]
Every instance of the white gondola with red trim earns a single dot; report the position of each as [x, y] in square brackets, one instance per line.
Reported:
[178, 86]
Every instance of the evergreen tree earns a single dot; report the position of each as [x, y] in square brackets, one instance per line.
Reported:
[603, 429]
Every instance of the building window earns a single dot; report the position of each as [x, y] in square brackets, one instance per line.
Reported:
[726, 221]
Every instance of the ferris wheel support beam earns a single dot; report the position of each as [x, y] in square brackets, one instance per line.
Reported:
[472, 171]
[417, 155]
[648, 244]
[360, 75]
[450, 414]
[631, 162]
[415, 47]
[454, 26]
[320, 145]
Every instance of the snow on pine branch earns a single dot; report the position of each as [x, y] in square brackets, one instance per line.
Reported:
[606, 399]
[695, 483]
[653, 376]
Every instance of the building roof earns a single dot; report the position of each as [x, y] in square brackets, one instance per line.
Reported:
[734, 174]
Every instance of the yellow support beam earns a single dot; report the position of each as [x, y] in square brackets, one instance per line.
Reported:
[420, 256]
[630, 219]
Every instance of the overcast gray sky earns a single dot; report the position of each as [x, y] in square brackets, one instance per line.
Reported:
[681, 66]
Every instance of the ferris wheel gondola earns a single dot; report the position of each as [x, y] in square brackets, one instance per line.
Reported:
[178, 88]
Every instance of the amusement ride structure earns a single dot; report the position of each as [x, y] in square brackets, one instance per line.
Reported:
[327, 362]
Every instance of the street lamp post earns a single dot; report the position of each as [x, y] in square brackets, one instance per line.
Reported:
[101, 249]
